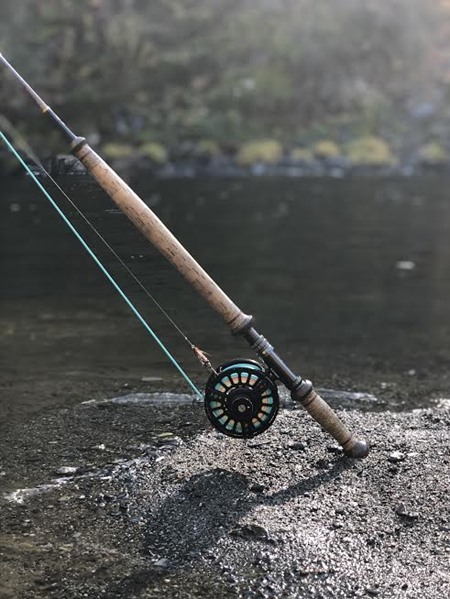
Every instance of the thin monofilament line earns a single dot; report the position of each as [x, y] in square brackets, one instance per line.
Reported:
[100, 265]
[119, 259]
[33, 157]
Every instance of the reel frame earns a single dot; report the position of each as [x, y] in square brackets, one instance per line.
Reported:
[241, 398]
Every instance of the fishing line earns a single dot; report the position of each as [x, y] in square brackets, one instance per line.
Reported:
[111, 279]
[119, 259]
[21, 142]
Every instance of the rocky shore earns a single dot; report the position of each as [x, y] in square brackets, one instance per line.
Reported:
[137, 497]
[192, 163]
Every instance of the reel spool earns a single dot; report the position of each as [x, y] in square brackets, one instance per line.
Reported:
[241, 400]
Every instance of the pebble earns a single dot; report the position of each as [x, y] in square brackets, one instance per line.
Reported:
[407, 265]
[257, 488]
[254, 531]
[401, 510]
[66, 470]
[255, 444]
[396, 456]
[64, 498]
[163, 563]
[297, 446]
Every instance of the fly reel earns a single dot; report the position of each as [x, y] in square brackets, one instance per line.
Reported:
[241, 399]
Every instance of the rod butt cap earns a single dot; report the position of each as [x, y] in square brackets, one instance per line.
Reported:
[358, 449]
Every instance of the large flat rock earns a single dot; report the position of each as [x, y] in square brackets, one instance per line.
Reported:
[128, 500]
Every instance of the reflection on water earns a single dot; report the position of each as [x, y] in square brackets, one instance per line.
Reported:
[350, 280]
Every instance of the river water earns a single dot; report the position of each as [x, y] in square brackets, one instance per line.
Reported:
[349, 279]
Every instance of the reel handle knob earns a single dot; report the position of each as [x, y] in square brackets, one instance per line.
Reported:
[329, 421]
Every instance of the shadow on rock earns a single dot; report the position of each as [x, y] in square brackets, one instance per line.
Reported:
[212, 504]
[198, 514]
[184, 534]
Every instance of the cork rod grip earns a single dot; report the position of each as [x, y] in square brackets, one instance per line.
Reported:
[328, 420]
[155, 231]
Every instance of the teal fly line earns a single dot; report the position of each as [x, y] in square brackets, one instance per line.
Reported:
[107, 274]
[20, 141]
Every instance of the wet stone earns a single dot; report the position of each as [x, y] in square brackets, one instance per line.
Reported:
[322, 464]
[257, 488]
[404, 512]
[297, 446]
[66, 470]
[251, 531]
[396, 456]
[64, 498]
[197, 512]
[163, 563]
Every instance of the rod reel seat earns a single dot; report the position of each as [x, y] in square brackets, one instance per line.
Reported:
[241, 398]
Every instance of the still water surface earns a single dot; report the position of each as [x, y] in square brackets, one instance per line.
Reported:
[349, 279]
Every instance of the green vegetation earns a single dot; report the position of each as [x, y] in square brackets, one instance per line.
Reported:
[326, 149]
[370, 151]
[433, 153]
[302, 154]
[308, 73]
[155, 151]
[207, 148]
[267, 151]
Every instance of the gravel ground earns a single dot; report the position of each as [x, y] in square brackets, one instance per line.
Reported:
[136, 500]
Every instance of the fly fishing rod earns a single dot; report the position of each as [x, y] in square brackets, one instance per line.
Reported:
[241, 396]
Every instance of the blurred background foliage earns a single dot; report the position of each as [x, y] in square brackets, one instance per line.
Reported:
[311, 75]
